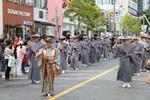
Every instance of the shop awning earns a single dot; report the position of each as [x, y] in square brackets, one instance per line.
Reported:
[45, 23]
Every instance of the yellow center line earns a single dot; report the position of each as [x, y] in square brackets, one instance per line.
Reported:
[83, 83]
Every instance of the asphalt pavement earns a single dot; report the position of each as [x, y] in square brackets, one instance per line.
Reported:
[104, 87]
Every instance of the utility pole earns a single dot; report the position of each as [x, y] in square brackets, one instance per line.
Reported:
[114, 19]
[56, 22]
[143, 23]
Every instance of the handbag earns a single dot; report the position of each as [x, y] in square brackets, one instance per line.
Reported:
[147, 65]
[12, 61]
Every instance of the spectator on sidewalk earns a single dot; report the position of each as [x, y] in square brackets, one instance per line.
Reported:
[25, 63]
[9, 50]
[21, 51]
[1, 56]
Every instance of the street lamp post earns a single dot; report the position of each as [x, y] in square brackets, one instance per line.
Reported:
[114, 19]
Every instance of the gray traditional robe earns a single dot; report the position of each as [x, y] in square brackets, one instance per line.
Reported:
[74, 57]
[34, 73]
[63, 47]
[85, 52]
[99, 46]
[144, 54]
[136, 57]
[92, 54]
[105, 48]
[125, 69]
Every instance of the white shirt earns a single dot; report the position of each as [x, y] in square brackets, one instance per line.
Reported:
[8, 52]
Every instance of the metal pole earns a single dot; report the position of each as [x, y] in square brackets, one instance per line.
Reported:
[114, 19]
[56, 21]
[143, 24]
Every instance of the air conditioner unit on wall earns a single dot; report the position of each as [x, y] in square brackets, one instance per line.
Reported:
[41, 14]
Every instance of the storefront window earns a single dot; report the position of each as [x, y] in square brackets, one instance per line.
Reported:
[11, 0]
[41, 3]
[18, 1]
[26, 2]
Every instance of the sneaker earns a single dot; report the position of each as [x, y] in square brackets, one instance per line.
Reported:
[138, 74]
[37, 82]
[63, 72]
[147, 71]
[84, 65]
[105, 59]
[49, 95]
[3, 76]
[124, 85]
[76, 69]
[128, 85]
[31, 82]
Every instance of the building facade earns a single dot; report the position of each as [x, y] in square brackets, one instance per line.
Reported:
[146, 4]
[42, 25]
[122, 8]
[17, 17]
[1, 19]
[55, 15]
[140, 7]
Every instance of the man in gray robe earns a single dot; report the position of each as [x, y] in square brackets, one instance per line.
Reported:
[123, 51]
[92, 53]
[85, 52]
[105, 48]
[144, 52]
[136, 56]
[99, 50]
[75, 50]
[63, 47]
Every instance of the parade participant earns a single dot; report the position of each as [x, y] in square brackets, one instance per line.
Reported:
[9, 50]
[148, 50]
[122, 51]
[144, 53]
[34, 48]
[105, 47]
[74, 53]
[43, 39]
[136, 56]
[85, 52]
[49, 70]
[92, 53]
[1, 56]
[99, 49]
[63, 47]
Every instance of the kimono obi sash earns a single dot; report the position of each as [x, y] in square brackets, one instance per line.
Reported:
[49, 54]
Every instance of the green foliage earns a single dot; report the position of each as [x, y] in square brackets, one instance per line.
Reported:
[86, 12]
[130, 24]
